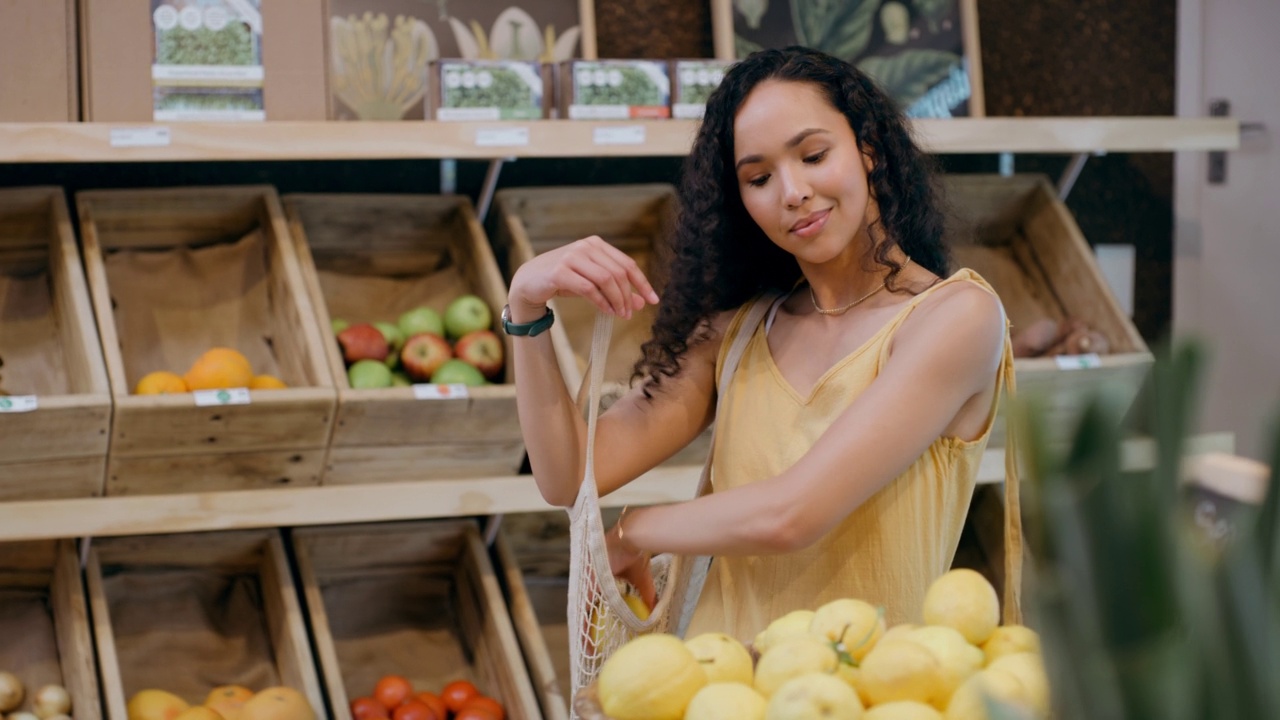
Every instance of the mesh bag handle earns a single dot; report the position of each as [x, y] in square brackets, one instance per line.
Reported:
[600, 621]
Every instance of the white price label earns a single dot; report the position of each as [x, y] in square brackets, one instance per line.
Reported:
[230, 396]
[17, 403]
[1078, 362]
[502, 137]
[431, 391]
[625, 135]
[140, 137]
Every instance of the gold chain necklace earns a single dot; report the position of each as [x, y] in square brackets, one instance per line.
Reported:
[846, 308]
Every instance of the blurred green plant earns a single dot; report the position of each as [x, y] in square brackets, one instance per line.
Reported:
[1141, 616]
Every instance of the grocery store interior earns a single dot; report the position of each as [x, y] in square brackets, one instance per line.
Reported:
[260, 450]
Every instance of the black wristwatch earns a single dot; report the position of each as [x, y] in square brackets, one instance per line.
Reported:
[528, 329]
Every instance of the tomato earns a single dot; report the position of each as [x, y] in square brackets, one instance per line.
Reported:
[366, 708]
[392, 690]
[457, 693]
[416, 710]
[434, 702]
[475, 713]
[487, 704]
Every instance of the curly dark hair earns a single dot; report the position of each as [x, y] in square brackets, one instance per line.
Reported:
[719, 258]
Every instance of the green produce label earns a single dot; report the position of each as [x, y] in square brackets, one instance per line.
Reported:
[18, 403]
[232, 396]
[498, 90]
[695, 80]
[208, 60]
[620, 90]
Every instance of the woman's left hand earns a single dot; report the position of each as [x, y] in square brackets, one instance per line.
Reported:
[631, 564]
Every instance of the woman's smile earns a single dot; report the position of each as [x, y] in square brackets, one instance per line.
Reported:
[811, 224]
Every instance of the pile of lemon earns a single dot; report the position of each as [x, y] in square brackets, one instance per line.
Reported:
[840, 662]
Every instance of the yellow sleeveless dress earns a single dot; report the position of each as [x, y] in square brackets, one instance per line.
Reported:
[891, 547]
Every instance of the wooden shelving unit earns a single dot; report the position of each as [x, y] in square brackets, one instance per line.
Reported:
[433, 498]
[146, 142]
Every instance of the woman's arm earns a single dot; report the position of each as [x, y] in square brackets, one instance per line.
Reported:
[636, 433]
[945, 356]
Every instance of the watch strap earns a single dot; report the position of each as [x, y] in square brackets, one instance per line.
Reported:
[529, 329]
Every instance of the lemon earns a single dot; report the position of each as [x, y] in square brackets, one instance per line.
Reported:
[1029, 669]
[902, 710]
[964, 600]
[957, 657]
[723, 658]
[969, 700]
[793, 623]
[901, 670]
[791, 658]
[814, 695]
[856, 624]
[726, 701]
[897, 632]
[1009, 639]
[653, 677]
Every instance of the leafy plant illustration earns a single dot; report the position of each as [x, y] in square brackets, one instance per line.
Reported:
[232, 45]
[838, 27]
[514, 36]
[752, 10]
[933, 11]
[380, 67]
[908, 75]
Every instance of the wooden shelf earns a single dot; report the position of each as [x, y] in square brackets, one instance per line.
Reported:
[99, 142]
[289, 507]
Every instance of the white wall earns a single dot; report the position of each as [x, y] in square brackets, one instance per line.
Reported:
[1227, 237]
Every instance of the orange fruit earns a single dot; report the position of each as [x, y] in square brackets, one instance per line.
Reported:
[228, 699]
[434, 702]
[457, 693]
[266, 382]
[219, 368]
[486, 704]
[392, 690]
[277, 703]
[161, 382]
[366, 708]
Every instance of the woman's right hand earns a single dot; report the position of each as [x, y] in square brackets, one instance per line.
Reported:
[590, 268]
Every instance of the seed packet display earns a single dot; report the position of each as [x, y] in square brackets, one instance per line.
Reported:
[694, 82]
[489, 90]
[208, 60]
[616, 89]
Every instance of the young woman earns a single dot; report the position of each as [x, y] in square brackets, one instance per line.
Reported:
[848, 443]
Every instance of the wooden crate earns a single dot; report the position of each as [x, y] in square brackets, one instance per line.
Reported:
[369, 258]
[1017, 234]
[532, 555]
[173, 273]
[49, 356]
[418, 599]
[189, 612]
[634, 218]
[45, 624]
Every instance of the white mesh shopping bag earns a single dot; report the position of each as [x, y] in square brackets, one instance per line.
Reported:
[599, 619]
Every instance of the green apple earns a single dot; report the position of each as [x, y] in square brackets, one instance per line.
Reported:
[457, 372]
[366, 374]
[338, 325]
[467, 314]
[400, 379]
[421, 320]
[395, 338]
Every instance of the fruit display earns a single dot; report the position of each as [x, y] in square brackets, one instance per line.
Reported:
[225, 702]
[457, 346]
[1050, 338]
[49, 702]
[216, 369]
[837, 662]
[395, 698]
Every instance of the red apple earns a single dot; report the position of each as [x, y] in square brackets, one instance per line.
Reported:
[482, 350]
[423, 354]
[363, 342]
